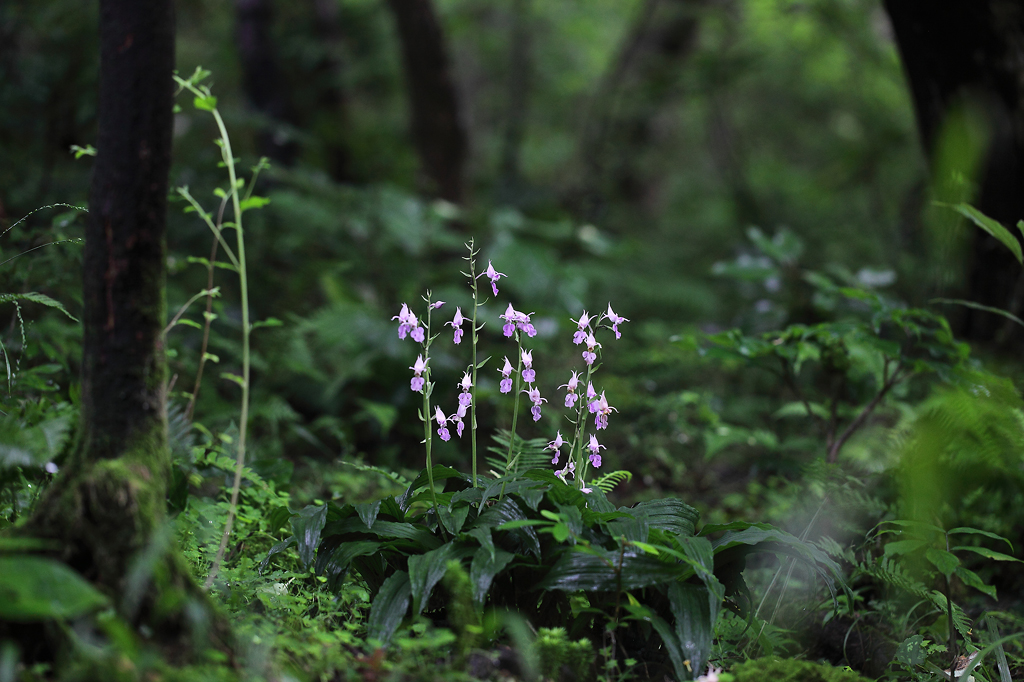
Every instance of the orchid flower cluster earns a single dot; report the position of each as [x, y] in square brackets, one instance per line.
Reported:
[576, 465]
[522, 378]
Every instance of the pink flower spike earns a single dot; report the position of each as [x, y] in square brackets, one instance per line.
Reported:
[456, 324]
[494, 276]
[416, 384]
[556, 445]
[570, 399]
[420, 366]
[442, 424]
[436, 304]
[616, 320]
[591, 393]
[574, 382]
[506, 371]
[601, 410]
[418, 334]
[466, 383]
[510, 317]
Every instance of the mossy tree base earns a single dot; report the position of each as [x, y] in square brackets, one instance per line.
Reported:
[107, 521]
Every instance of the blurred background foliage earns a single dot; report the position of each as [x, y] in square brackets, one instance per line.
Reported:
[703, 165]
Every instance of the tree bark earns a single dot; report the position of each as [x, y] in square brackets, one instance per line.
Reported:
[261, 80]
[107, 507]
[639, 84]
[971, 54]
[438, 131]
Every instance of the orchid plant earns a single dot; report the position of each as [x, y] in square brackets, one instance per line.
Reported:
[584, 450]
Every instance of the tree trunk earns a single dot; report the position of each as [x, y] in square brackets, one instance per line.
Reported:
[511, 187]
[971, 54]
[639, 84]
[436, 120]
[332, 98]
[261, 80]
[108, 505]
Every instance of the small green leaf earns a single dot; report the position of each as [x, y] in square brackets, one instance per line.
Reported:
[207, 103]
[233, 377]
[269, 322]
[253, 202]
[485, 565]
[911, 652]
[211, 357]
[189, 323]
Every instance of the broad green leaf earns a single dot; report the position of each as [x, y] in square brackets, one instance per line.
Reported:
[942, 560]
[306, 527]
[668, 514]
[507, 510]
[389, 607]
[425, 571]
[993, 227]
[36, 588]
[386, 529]
[911, 652]
[441, 473]
[486, 564]
[367, 512]
[609, 571]
[334, 564]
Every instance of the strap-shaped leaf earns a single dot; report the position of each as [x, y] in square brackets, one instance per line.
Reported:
[694, 626]
[389, 607]
[486, 564]
[425, 571]
[306, 527]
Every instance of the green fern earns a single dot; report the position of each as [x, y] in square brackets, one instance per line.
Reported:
[607, 482]
[526, 454]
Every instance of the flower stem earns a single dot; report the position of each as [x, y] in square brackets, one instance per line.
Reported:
[476, 305]
[428, 388]
[515, 410]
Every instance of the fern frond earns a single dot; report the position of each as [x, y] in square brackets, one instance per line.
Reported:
[607, 482]
[890, 572]
[526, 454]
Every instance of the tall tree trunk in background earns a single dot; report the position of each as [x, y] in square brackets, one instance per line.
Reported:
[261, 79]
[510, 180]
[333, 99]
[108, 504]
[959, 54]
[438, 130]
[639, 84]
